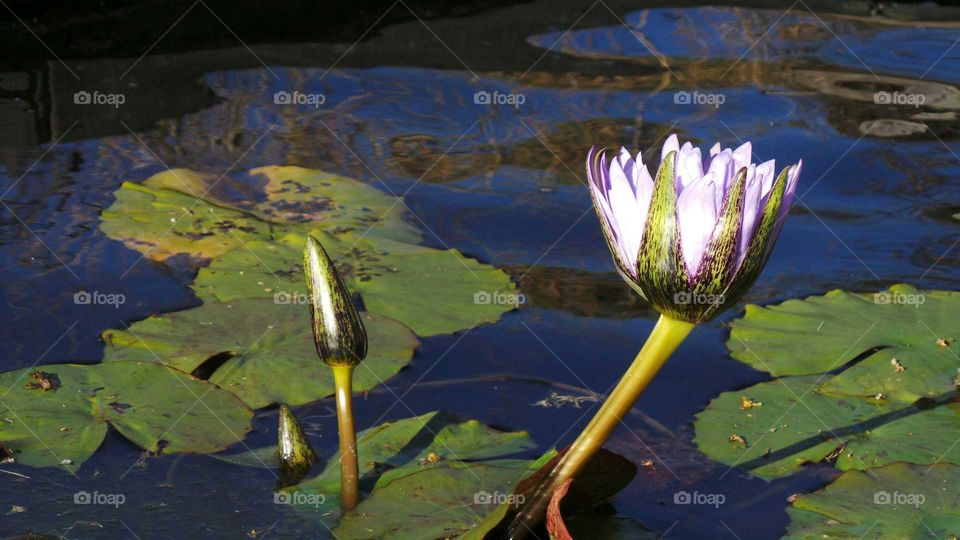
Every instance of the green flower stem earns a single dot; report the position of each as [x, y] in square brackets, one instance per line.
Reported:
[349, 471]
[666, 336]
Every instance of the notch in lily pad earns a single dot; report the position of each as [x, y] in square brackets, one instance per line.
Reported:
[341, 342]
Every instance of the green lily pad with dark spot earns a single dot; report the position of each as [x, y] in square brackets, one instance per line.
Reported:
[248, 235]
[160, 409]
[183, 212]
[266, 349]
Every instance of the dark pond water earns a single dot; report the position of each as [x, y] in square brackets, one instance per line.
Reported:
[878, 204]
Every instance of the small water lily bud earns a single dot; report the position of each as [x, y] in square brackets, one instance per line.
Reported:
[692, 241]
[294, 452]
[338, 330]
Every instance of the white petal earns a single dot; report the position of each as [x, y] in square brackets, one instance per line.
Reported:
[742, 156]
[672, 144]
[689, 166]
[644, 186]
[626, 212]
[721, 167]
[751, 210]
[767, 172]
[625, 161]
[697, 214]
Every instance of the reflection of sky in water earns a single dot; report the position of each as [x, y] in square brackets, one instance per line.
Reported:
[369, 108]
[731, 33]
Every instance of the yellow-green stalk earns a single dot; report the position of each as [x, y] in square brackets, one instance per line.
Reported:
[341, 342]
[666, 336]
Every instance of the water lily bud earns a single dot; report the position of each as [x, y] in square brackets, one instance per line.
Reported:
[294, 453]
[338, 330]
[692, 241]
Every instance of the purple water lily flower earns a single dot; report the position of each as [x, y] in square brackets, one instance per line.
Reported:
[692, 241]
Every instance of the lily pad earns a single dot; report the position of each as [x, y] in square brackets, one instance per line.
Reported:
[883, 394]
[266, 348]
[202, 215]
[396, 279]
[250, 230]
[161, 223]
[899, 500]
[162, 410]
[457, 458]
[824, 333]
[442, 501]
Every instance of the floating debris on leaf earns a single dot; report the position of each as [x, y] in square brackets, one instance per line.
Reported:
[897, 365]
[556, 400]
[945, 342]
[6, 455]
[431, 459]
[747, 403]
[119, 407]
[835, 454]
[737, 439]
